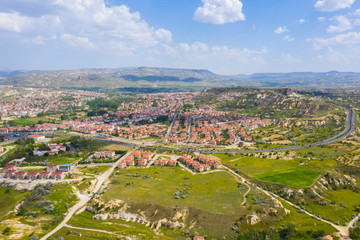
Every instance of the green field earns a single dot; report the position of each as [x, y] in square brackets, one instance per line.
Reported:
[287, 172]
[297, 178]
[303, 221]
[341, 209]
[9, 199]
[216, 192]
[93, 170]
[116, 226]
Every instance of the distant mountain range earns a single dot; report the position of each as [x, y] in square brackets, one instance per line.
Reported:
[147, 77]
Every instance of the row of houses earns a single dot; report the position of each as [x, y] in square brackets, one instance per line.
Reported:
[164, 162]
[136, 158]
[104, 154]
[52, 172]
[201, 163]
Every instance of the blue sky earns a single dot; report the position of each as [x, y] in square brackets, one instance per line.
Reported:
[224, 36]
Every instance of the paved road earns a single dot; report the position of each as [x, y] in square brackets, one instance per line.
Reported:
[350, 128]
[85, 198]
[171, 126]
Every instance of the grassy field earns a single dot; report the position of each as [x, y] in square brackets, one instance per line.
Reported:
[303, 222]
[215, 192]
[9, 199]
[116, 226]
[294, 173]
[93, 170]
[341, 209]
[212, 200]
[297, 178]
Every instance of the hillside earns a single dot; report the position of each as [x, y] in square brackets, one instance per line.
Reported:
[279, 102]
[305, 79]
[125, 78]
[147, 77]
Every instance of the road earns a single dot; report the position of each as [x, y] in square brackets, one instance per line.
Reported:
[171, 126]
[349, 129]
[85, 198]
[343, 230]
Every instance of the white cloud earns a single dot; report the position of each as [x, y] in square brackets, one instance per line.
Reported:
[77, 41]
[350, 38]
[288, 38]
[301, 21]
[333, 5]
[219, 11]
[321, 19]
[88, 24]
[281, 29]
[343, 24]
[163, 35]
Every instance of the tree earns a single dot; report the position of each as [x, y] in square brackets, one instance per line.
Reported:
[34, 237]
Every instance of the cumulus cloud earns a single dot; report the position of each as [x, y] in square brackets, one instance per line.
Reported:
[288, 38]
[281, 29]
[333, 5]
[301, 21]
[88, 24]
[343, 24]
[219, 11]
[350, 38]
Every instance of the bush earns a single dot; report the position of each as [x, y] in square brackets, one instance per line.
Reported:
[6, 231]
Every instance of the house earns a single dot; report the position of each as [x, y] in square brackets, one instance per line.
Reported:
[57, 175]
[130, 162]
[44, 175]
[4, 130]
[217, 165]
[171, 163]
[207, 167]
[10, 174]
[9, 168]
[105, 154]
[199, 238]
[32, 175]
[20, 175]
[122, 164]
[141, 162]
[37, 137]
[66, 168]
[52, 167]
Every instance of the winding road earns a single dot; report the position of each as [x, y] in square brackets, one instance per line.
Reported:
[344, 230]
[85, 198]
[349, 129]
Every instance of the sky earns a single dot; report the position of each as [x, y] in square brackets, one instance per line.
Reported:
[224, 36]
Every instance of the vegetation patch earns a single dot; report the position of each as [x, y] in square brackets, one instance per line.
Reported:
[297, 178]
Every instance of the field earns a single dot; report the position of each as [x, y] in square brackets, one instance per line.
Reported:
[340, 209]
[297, 178]
[294, 173]
[216, 192]
[35, 216]
[117, 227]
[9, 199]
[93, 170]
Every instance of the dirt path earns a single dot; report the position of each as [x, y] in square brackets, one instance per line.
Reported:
[85, 198]
[343, 230]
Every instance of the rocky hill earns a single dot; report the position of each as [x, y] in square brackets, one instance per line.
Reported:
[147, 77]
[280, 101]
[124, 78]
